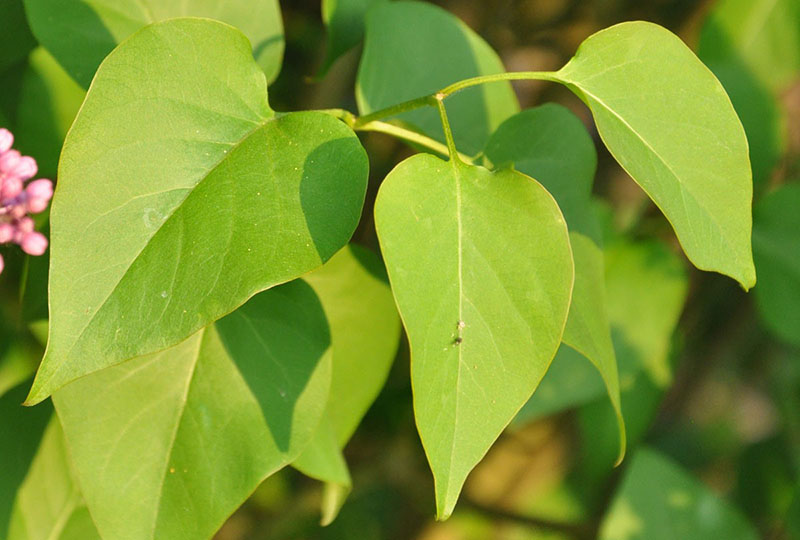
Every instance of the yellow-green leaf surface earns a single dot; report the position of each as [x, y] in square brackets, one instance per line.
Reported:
[670, 124]
[80, 33]
[481, 270]
[658, 500]
[365, 331]
[551, 144]
[170, 444]
[777, 249]
[49, 505]
[412, 49]
[181, 194]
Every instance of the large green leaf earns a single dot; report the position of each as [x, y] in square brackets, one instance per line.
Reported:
[169, 445]
[49, 505]
[413, 49]
[776, 242]
[80, 33]
[344, 20]
[21, 431]
[667, 120]
[181, 194]
[659, 500]
[481, 270]
[365, 331]
[551, 144]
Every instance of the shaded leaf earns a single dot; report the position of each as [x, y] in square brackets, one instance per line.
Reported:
[669, 123]
[659, 500]
[213, 198]
[80, 33]
[49, 505]
[169, 445]
[398, 35]
[481, 270]
[776, 245]
[344, 20]
[16, 40]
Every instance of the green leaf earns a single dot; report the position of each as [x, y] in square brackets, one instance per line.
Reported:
[49, 505]
[49, 101]
[80, 33]
[588, 330]
[551, 144]
[187, 434]
[344, 20]
[659, 500]
[414, 49]
[764, 35]
[365, 332]
[776, 221]
[21, 430]
[667, 120]
[481, 270]
[181, 194]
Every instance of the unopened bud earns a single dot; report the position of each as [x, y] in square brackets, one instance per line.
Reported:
[9, 160]
[6, 233]
[6, 140]
[34, 243]
[26, 168]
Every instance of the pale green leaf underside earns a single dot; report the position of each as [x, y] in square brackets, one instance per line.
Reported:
[777, 250]
[169, 445]
[80, 33]
[365, 332]
[667, 120]
[398, 36]
[481, 271]
[49, 505]
[588, 330]
[181, 194]
[660, 501]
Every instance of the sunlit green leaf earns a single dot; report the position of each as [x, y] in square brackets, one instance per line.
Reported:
[481, 270]
[169, 445]
[776, 243]
[669, 123]
[49, 505]
[214, 197]
[398, 65]
[659, 500]
[80, 33]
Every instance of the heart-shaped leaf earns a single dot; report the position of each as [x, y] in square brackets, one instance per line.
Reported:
[181, 194]
[80, 33]
[481, 269]
[667, 120]
[169, 445]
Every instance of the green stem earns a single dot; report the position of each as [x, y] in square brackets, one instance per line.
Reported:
[513, 76]
[394, 110]
[413, 137]
[448, 133]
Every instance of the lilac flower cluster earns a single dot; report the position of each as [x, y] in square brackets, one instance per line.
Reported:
[17, 199]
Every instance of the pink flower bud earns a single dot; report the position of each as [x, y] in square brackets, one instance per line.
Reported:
[17, 211]
[40, 189]
[6, 140]
[11, 187]
[2, 264]
[34, 243]
[9, 160]
[6, 233]
[26, 168]
[25, 225]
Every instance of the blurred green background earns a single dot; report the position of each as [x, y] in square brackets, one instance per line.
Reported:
[710, 375]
